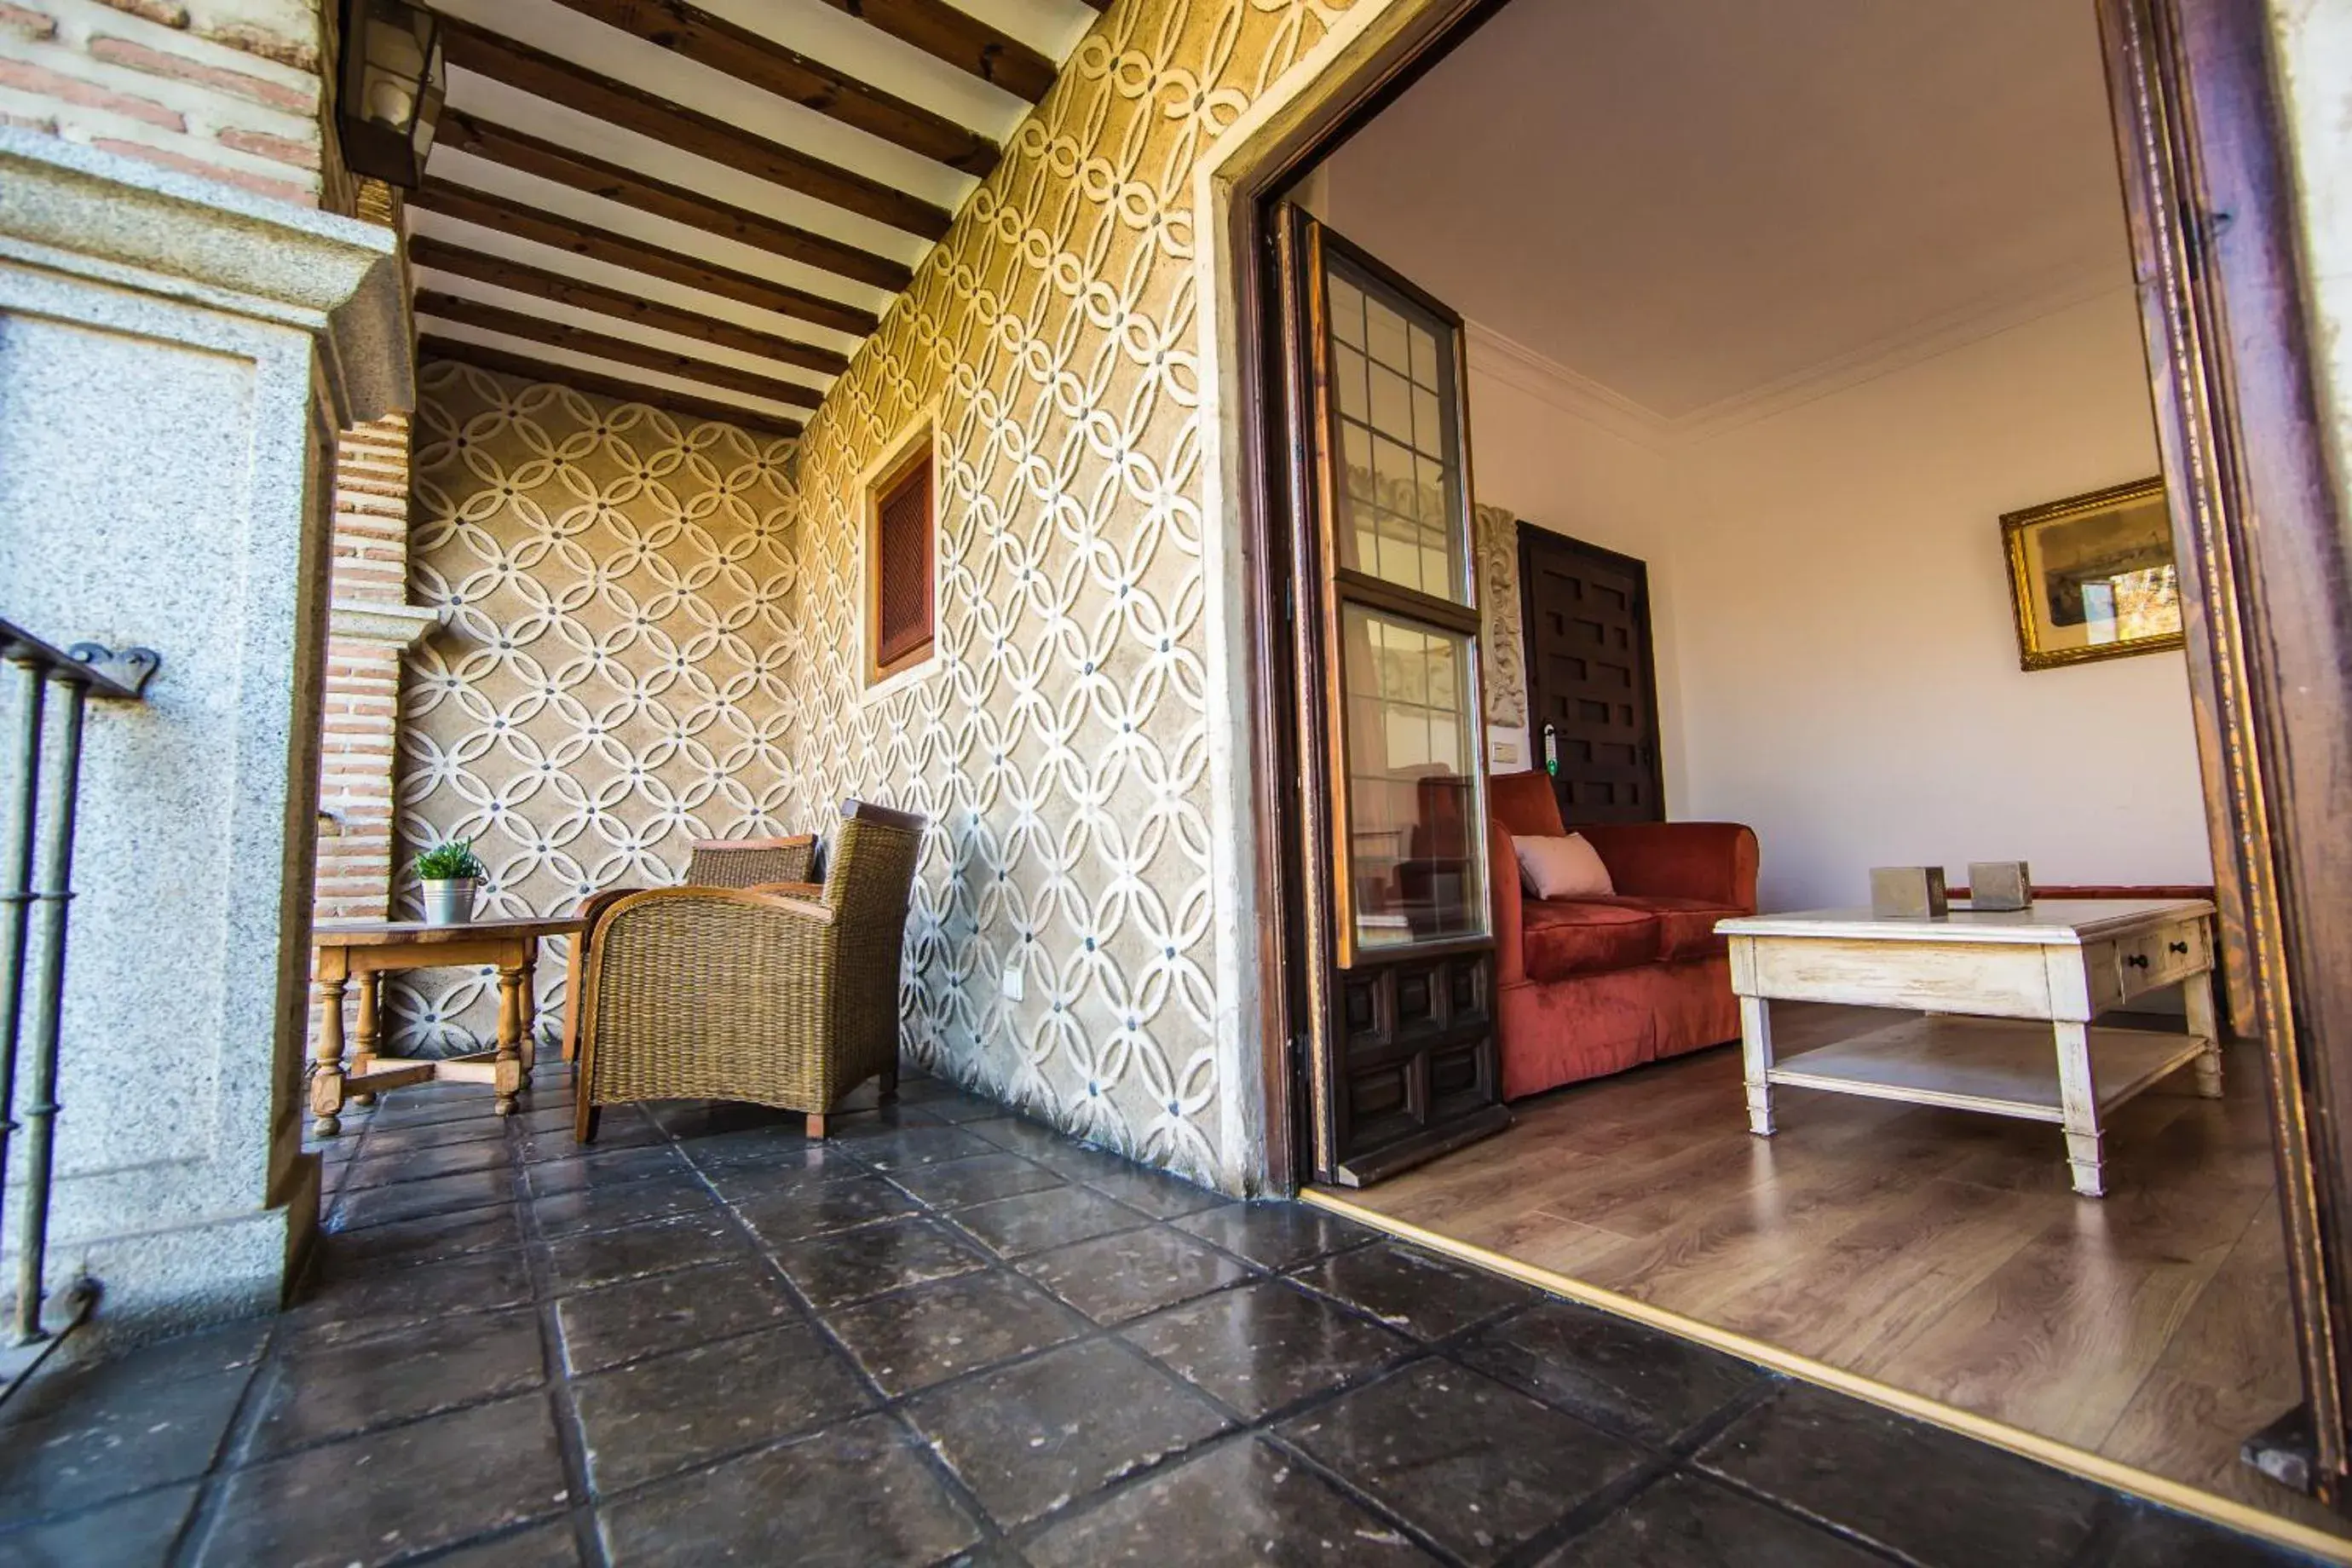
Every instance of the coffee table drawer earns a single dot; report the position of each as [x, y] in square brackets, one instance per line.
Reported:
[2163, 956]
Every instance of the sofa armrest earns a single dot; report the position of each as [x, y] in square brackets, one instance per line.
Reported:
[1503, 896]
[1715, 861]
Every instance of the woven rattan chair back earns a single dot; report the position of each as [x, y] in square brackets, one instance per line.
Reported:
[749, 862]
[869, 879]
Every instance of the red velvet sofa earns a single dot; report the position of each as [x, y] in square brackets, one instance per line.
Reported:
[1588, 986]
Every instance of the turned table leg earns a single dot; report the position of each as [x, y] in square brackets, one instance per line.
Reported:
[508, 1068]
[327, 1060]
[529, 1007]
[369, 1034]
[2197, 999]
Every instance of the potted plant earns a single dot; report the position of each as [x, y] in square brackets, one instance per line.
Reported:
[451, 873]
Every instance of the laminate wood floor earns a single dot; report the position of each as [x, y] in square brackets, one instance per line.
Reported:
[1938, 1251]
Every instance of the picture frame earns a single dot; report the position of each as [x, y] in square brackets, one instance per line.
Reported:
[2093, 577]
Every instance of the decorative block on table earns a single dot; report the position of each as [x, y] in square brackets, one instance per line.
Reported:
[1907, 892]
[1999, 884]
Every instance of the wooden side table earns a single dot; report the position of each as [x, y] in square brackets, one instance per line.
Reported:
[366, 951]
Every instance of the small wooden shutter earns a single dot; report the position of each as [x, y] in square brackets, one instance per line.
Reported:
[902, 566]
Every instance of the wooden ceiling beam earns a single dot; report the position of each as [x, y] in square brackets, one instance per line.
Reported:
[961, 39]
[621, 350]
[543, 75]
[546, 160]
[462, 261]
[691, 33]
[508, 362]
[620, 250]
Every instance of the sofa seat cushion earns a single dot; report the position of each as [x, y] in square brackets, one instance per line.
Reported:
[1585, 936]
[1685, 926]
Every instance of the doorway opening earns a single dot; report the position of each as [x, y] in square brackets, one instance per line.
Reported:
[1793, 334]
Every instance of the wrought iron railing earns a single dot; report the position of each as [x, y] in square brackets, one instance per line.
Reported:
[39, 799]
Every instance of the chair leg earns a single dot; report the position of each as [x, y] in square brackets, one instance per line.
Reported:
[889, 1086]
[585, 1114]
[816, 1125]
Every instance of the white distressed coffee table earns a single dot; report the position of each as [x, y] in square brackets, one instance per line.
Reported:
[2006, 1000]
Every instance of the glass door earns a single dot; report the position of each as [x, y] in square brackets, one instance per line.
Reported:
[1401, 1065]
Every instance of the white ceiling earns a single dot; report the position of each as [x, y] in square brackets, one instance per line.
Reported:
[1688, 201]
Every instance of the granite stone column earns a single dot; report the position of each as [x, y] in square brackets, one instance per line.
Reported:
[177, 357]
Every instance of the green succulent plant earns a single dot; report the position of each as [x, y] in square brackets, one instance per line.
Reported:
[450, 862]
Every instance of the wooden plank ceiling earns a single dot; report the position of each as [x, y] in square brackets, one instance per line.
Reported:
[708, 207]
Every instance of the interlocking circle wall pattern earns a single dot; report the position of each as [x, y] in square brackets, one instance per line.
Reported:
[657, 649]
[613, 681]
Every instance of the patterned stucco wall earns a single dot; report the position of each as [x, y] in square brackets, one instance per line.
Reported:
[1503, 642]
[621, 594]
[1061, 742]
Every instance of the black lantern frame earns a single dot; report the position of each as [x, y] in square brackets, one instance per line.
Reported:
[392, 78]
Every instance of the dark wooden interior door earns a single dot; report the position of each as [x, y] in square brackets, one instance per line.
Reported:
[1400, 1064]
[1592, 694]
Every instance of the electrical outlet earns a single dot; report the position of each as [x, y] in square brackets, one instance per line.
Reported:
[1015, 986]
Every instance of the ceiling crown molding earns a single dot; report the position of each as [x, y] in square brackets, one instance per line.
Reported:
[2044, 295]
[1513, 363]
[1516, 364]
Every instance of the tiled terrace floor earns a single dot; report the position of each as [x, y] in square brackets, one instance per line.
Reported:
[951, 1335]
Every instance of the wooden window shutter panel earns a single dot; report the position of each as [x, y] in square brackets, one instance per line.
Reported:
[902, 549]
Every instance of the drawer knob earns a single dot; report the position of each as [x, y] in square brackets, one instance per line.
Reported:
[2137, 960]
[2182, 948]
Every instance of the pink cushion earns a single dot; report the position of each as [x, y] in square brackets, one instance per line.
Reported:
[1561, 867]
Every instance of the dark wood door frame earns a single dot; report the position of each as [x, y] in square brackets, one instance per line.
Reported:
[1291, 988]
[1535, 540]
[2269, 608]
[1417, 1021]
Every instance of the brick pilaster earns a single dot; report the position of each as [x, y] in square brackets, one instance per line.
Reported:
[370, 626]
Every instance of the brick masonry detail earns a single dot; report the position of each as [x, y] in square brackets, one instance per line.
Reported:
[228, 90]
[362, 685]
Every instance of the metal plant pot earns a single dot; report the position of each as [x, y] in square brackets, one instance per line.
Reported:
[450, 902]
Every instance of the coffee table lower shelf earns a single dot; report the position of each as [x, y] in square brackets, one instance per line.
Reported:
[2002, 1067]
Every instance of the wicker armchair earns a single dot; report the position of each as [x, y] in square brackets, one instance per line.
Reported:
[710, 863]
[748, 862]
[783, 994]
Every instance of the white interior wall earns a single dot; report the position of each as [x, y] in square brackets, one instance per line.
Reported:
[1851, 685]
[1837, 654]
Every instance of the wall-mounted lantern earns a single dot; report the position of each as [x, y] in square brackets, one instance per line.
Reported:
[393, 77]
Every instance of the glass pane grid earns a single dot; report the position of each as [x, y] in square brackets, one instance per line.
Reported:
[1416, 869]
[1399, 515]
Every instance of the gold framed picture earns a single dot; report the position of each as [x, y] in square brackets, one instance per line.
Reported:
[2093, 577]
